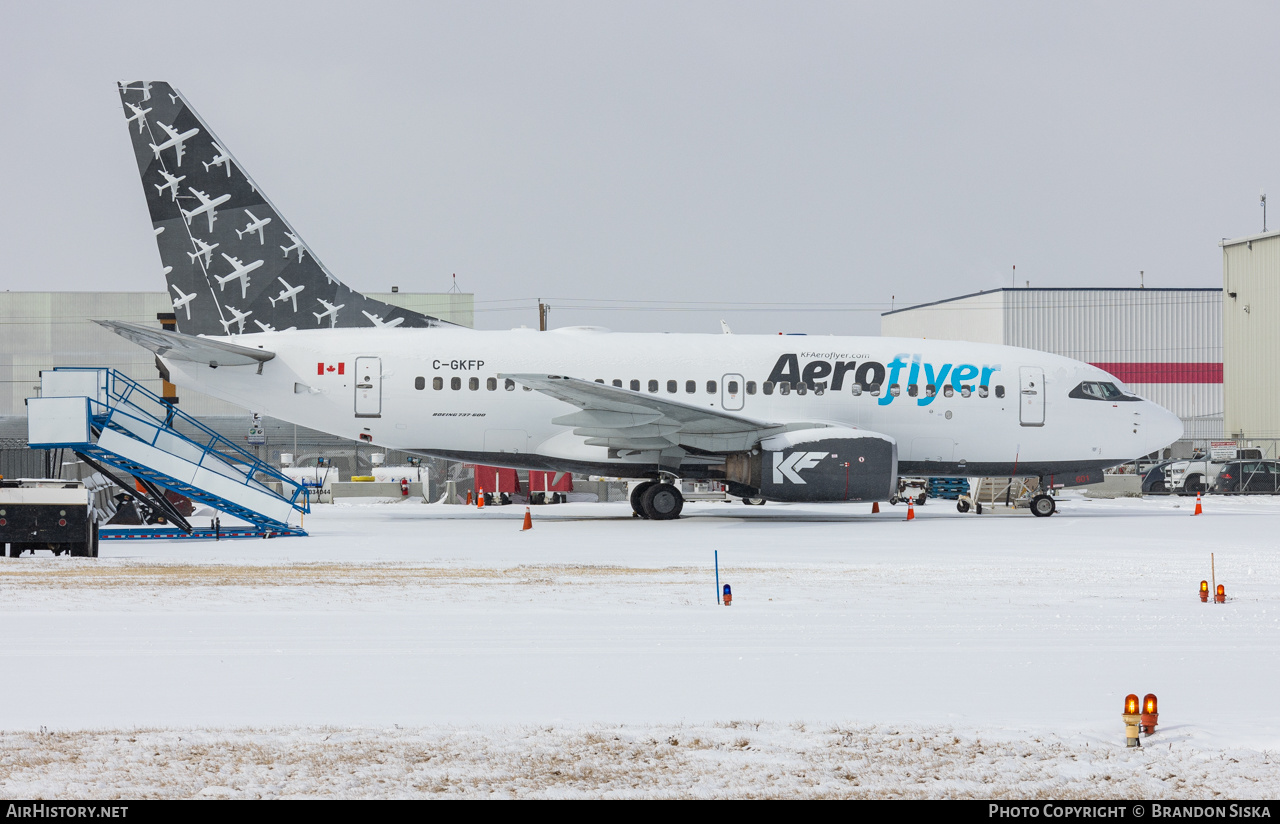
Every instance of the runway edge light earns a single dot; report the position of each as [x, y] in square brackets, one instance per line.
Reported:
[1150, 714]
[1221, 596]
[1204, 592]
[728, 596]
[1131, 718]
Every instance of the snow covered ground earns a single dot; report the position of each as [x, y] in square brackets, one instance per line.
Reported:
[413, 649]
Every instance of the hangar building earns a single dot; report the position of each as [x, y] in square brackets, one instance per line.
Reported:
[1251, 336]
[41, 330]
[1165, 344]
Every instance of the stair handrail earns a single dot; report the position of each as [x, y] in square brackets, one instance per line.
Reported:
[255, 464]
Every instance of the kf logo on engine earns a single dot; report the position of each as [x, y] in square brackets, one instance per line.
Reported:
[787, 467]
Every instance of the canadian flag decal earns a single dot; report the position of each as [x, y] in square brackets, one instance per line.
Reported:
[329, 368]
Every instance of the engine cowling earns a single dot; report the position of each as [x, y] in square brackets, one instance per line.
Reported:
[829, 464]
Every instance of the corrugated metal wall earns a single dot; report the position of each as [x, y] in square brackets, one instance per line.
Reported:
[1179, 327]
[41, 330]
[1251, 335]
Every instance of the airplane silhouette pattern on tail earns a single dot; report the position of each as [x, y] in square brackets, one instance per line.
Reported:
[191, 182]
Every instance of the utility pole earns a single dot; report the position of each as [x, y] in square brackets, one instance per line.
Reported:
[1263, 197]
[544, 311]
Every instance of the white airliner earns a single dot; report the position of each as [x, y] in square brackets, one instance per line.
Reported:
[289, 293]
[255, 225]
[183, 301]
[140, 115]
[145, 89]
[174, 142]
[238, 271]
[220, 157]
[238, 318]
[330, 312]
[206, 206]
[297, 244]
[170, 183]
[379, 322]
[773, 417]
[203, 250]
[266, 327]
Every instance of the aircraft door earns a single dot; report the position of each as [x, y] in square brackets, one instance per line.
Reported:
[732, 391]
[1031, 396]
[368, 387]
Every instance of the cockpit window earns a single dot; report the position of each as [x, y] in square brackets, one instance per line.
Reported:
[1100, 391]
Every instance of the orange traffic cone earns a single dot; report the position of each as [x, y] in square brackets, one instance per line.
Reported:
[1199, 509]
[528, 520]
[480, 498]
[875, 507]
[468, 497]
[911, 510]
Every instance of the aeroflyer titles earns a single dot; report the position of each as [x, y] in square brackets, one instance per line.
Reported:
[769, 421]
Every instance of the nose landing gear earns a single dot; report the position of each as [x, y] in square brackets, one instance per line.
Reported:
[1042, 506]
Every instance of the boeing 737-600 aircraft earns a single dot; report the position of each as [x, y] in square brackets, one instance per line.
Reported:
[783, 418]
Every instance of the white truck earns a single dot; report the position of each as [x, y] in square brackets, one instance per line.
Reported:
[1198, 474]
[47, 514]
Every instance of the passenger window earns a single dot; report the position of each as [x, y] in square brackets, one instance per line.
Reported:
[895, 390]
[419, 383]
[599, 380]
[875, 390]
[491, 384]
[802, 388]
[966, 390]
[617, 383]
[527, 388]
[455, 384]
[948, 390]
[857, 389]
[913, 389]
[437, 383]
[671, 387]
[509, 385]
[635, 386]
[983, 391]
[690, 387]
[751, 387]
[999, 391]
[819, 389]
[930, 390]
[731, 387]
[473, 384]
[711, 387]
[784, 387]
[768, 387]
[653, 386]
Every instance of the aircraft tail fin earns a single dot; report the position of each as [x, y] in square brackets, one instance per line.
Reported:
[200, 197]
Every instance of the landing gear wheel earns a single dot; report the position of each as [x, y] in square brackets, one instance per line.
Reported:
[637, 497]
[962, 506]
[662, 502]
[753, 501]
[1042, 506]
[893, 500]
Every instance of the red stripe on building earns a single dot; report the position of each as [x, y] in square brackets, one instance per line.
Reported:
[1164, 372]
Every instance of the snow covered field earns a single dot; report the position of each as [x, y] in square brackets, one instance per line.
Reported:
[408, 649]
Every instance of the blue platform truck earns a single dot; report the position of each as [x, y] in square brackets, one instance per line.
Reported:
[46, 514]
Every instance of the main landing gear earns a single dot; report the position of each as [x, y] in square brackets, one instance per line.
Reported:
[656, 501]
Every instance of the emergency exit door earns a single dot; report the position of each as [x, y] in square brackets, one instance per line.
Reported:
[1031, 396]
[368, 387]
[731, 392]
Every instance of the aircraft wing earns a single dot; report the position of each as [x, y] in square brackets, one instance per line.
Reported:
[638, 421]
[177, 346]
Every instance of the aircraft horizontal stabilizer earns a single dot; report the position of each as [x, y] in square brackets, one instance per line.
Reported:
[177, 346]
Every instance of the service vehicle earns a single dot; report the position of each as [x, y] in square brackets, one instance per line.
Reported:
[50, 514]
[1198, 474]
[1249, 477]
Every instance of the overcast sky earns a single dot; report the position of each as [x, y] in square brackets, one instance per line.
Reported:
[716, 159]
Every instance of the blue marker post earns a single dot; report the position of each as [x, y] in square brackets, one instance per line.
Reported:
[717, 576]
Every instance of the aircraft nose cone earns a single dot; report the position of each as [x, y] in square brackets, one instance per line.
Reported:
[1164, 427]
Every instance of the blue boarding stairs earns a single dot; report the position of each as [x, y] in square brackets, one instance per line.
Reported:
[126, 431]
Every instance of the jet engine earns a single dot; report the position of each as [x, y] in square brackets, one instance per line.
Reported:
[827, 464]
